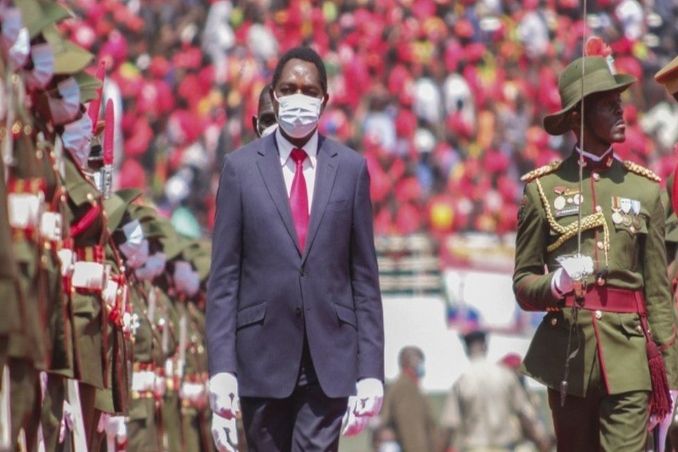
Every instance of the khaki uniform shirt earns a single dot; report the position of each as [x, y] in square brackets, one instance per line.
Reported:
[483, 407]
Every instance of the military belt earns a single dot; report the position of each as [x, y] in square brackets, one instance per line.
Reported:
[610, 299]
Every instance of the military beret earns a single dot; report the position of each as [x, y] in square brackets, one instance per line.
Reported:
[668, 76]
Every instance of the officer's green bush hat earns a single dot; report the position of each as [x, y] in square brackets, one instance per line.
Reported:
[668, 76]
[202, 266]
[69, 57]
[148, 216]
[88, 84]
[598, 78]
[117, 205]
[173, 243]
[36, 15]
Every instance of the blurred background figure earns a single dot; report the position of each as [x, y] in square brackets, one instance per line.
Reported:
[486, 408]
[384, 440]
[265, 121]
[538, 429]
[406, 408]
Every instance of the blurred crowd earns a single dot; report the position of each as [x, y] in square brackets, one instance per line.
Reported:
[445, 98]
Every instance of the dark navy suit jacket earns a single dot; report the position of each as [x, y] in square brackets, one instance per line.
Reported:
[263, 290]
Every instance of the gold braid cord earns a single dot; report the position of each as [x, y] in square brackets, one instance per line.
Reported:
[642, 171]
[567, 232]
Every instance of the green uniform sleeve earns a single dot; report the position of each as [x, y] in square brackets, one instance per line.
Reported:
[531, 280]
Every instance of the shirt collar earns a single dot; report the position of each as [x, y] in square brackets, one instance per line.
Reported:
[285, 147]
[595, 162]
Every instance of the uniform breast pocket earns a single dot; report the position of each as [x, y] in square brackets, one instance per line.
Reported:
[628, 236]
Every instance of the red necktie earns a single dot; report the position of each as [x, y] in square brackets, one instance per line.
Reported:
[299, 197]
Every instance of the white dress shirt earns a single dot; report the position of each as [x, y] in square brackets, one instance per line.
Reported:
[289, 167]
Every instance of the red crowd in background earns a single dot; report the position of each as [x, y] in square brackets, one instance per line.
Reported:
[444, 97]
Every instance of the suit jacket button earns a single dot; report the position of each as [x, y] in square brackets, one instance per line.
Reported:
[554, 321]
[301, 271]
[298, 311]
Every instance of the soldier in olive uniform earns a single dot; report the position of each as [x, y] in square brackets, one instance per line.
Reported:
[609, 310]
[668, 76]
[195, 407]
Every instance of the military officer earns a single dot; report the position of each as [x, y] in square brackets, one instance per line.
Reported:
[668, 76]
[609, 318]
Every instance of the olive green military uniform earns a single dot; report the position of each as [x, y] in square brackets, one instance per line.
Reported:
[114, 397]
[195, 413]
[623, 232]
[28, 351]
[88, 316]
[142, 431]
[171, 405]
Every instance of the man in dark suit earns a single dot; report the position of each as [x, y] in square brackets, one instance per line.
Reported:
[294, 315]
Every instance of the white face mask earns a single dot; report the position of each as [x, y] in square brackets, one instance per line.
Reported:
[76, 138]
[389, 446]
[154, 266]
[66, 108]
[298, 114]
[135, 247]
[11, 26]
[43, 66]
[186, 280]
[19, 52]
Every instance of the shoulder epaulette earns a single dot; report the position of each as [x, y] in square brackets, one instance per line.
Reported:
[541, 171]
[642, 171]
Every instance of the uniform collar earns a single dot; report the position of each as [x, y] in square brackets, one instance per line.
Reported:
[594, 162]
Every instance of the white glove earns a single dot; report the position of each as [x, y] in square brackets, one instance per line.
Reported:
[116, 429]
[572, 268]
[67, 259]
[103, 422]
[110, 293]
[224, 399]
[665, 423]
[67, 421]
[370, 395]
[225, 433]
[353, 424]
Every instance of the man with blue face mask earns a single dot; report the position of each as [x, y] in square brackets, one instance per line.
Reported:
[406, 409]
[294, 316]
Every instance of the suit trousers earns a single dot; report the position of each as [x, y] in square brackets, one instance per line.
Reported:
[600, 421]
[305, 421]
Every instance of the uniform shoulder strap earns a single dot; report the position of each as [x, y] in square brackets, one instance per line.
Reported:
[541, 171]
[641, 170]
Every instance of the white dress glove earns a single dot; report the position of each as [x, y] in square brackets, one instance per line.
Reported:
[572, 268]
[116, 430]
[352, 424]
[67, 421]
[225, 433]
[665, 423]
[223, 389]
[370, 395]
